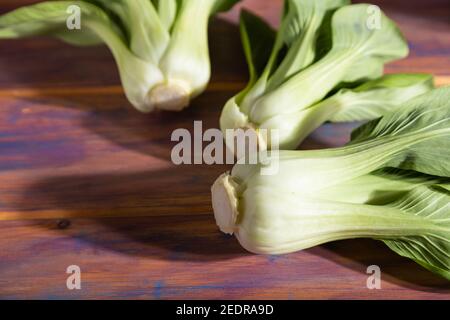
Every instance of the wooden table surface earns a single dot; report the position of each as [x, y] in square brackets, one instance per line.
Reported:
[86, 180]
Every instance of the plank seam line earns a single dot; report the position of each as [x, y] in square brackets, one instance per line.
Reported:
[99, 90]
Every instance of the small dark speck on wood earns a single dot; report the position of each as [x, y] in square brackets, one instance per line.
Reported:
[63, 224]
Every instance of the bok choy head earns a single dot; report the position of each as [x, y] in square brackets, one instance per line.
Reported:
[390, 183]
[321, 46]
[160, 46]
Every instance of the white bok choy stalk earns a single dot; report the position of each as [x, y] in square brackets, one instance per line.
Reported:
[160, 47]
[390, 183]
[321, 47]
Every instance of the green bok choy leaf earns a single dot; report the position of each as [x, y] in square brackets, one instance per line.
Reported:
[390, 183]
[161, 47]
[308, 62]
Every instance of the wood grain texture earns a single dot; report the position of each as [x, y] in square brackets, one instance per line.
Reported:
[86, 180]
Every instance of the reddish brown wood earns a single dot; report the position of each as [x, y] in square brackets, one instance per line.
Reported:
[86, 180]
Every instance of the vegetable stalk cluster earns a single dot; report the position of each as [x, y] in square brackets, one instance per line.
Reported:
[390, 183]
[160, 46]
[324, 64]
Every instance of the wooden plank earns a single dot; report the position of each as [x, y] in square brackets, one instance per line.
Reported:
[118, 89]
[178, 257]
[87, 180]
[112, 90]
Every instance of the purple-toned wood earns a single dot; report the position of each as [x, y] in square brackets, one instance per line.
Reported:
[86, 180]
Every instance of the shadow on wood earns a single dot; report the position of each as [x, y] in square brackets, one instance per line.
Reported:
[358, 254]
[170, 216]
[174, 221]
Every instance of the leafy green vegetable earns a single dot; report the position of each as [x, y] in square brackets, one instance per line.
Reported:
[167, 10]
[366, 102]
[391, 183]
[161, 53]
[287, 93]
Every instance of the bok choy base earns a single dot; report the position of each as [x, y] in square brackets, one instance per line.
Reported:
[391, 183]
[160, 46]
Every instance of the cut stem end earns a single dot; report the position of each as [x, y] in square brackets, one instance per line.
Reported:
[246, 139]
[225, 203]
[262, 141]
[168, 97]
